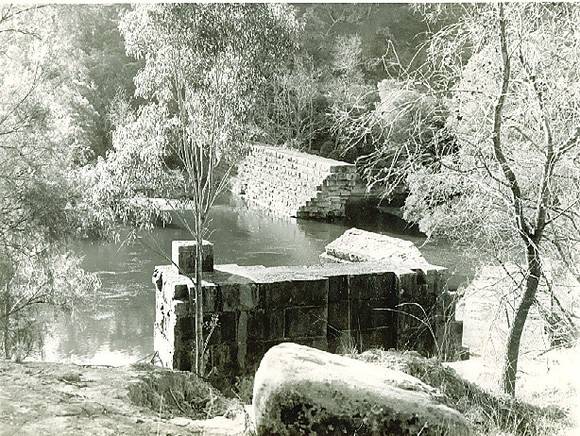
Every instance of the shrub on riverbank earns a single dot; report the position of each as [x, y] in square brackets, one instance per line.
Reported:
[489, 413]
[173, 393]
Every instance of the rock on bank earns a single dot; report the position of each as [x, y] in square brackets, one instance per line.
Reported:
[302, 390]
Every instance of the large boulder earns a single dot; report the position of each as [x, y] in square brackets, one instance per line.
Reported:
[302, 390]
[356, 245]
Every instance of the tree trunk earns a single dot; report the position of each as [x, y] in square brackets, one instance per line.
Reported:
[7, 324]
[534, 272]
[199, 361]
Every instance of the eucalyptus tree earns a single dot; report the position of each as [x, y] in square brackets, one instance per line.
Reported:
[205, 65]
[40, 149]
[507, 189]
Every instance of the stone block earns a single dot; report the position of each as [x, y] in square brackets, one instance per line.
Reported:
[230, 294]
[182, 356]
[224, 332]
[337, 288]
[338, 316]
[212, 298]
[174, 285]
[275, 324]
[265, 325]
[180, 308]
[256, 325]
[371, 286]
[407, 284]
[238, 296]
[183, 255]
[368, 314]
[184, 329]
[297, 293]
[180, 291]
[305, 321]
[227, 326]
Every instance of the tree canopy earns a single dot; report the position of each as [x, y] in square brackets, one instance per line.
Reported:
[212, 55]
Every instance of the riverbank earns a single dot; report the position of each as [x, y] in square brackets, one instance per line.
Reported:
[40, 398]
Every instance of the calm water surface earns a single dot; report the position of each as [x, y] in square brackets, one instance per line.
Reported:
[118, 328]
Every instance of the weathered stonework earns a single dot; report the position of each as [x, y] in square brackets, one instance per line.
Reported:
[334, 307]
[287, 182]
[425, 307]
[183, 256]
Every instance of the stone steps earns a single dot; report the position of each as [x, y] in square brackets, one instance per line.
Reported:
[290, 183]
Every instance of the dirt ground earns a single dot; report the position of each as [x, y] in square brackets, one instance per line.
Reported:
[61, 399]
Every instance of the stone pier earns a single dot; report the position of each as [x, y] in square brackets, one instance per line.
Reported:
[338, 307]
[290, 183]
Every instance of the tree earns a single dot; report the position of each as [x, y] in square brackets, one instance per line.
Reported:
[39, 151]
[94, 49]
[341, 56]
[204, 68]
[376, 26]
[292, 105]
[508, 190]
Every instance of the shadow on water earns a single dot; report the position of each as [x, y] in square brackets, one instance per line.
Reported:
[118, 328]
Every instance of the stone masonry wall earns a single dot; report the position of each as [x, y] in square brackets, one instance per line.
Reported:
[287, 182]
[424, 301]
[334, 307]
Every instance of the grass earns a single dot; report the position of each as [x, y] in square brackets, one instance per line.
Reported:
[490, 414]
[243, 388]
[173, 393]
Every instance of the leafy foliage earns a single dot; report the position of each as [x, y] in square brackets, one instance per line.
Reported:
[507, 190]
[45, 121]
[202, 51]
[344, 51]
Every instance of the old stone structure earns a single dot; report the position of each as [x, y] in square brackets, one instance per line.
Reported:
[334, 307]
[287, 182]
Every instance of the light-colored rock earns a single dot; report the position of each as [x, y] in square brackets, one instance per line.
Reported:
[301, 390]
[357, 245]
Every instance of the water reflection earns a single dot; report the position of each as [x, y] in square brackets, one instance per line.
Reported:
[118, 328]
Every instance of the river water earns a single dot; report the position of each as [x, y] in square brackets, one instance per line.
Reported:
[117, 328]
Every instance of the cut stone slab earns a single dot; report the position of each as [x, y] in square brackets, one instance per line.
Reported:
[357, 245]
[183, 256]
[302, 390]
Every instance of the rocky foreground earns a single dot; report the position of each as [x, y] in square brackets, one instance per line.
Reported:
[60, 399]
[297, 390]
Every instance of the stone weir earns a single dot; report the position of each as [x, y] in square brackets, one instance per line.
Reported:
[333, 307]
[290, 183]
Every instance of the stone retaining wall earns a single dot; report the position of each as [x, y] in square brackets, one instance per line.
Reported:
[287, 182]
[334, 307]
